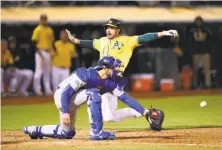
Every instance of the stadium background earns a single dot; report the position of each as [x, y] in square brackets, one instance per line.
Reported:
[86, 25]
[20, 18]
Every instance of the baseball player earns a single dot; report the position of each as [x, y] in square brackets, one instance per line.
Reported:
[42, 39]
[8, 71]
[120, 47]
[61, 60]
[85, 85]
[25, 74]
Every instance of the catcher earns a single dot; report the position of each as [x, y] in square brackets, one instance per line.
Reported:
[86, 86]
[121, 47]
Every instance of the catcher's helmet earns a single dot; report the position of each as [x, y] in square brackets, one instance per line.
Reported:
[113, 23]
[108, 61]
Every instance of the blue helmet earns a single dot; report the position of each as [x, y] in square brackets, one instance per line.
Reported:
[108, 61]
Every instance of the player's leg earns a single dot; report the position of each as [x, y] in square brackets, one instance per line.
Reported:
[2, 80]
[65, 74]
[196, 62]
[55, 131]
[38, 74]
[27, 75]
[56, 75]
[47, 72]
[60, 131]
[207, 73]
[95, 116]
[14, 77]
[110, 111]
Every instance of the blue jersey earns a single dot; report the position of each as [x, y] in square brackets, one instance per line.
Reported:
[89, 78]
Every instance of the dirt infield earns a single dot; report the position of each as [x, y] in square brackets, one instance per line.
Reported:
[198, 137]
[202, 137]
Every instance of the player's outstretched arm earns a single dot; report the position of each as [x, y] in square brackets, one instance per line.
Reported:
[125, 98]
[152, 36]
[132, 103]
[83, 43]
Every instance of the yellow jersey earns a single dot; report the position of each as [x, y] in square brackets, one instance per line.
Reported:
[6, 58]
[121, 47]
[44, 36]
[64, 53]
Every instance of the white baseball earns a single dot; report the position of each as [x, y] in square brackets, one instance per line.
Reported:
[203, 104]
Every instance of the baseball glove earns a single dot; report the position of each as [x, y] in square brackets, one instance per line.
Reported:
[155, 117]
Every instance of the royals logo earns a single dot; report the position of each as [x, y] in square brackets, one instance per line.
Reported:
[118, 45]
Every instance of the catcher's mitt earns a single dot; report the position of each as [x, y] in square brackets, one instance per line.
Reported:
[155, 117]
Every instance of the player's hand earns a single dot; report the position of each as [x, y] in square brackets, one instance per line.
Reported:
[66, 119]
[72, 38]
[170, 33]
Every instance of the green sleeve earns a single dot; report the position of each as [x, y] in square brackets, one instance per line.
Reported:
[86, 43]
[147, 37]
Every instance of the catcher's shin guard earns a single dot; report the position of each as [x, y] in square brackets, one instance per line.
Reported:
[155, 117]
[33, 132]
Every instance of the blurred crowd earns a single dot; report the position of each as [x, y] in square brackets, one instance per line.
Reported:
[172, 3]
[41, 66]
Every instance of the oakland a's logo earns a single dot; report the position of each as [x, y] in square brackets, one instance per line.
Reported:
[118, 45]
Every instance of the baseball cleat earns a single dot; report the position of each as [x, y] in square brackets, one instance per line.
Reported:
[103, 135]
[32, 131]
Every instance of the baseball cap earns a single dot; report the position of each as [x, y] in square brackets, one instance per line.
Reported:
[11, 39]
[113, 23]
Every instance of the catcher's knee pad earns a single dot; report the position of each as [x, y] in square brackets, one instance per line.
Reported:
[155, 117]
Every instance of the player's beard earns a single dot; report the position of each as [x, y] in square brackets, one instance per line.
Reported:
[110, 36]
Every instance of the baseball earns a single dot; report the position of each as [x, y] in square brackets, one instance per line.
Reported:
[203, 104]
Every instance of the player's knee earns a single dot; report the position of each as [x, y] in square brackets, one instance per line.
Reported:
[110, 118]
[68, 135]
[64, 134]
[28, 74]
[93, 95]
[38, 74]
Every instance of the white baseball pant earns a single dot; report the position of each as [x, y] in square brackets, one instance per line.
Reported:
[2, 84]
[58, 75]
[24, 80]
[110, 110]
[11, 77]
[79, 98]
[42, 68]
[53, 130]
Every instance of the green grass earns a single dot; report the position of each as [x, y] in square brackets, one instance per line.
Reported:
[181, 112]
